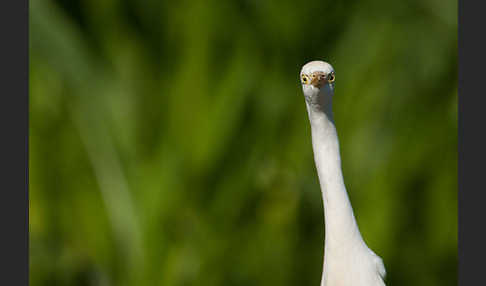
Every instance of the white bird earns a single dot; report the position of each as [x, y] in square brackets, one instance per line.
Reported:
[347, 259]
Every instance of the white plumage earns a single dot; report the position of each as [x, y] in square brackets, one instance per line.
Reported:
[347, 259]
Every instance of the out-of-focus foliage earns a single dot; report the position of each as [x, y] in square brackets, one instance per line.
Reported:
[169, 141]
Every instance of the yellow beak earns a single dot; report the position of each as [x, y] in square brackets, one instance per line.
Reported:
[318, 79]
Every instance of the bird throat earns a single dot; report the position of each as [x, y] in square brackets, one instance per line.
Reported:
[340, 224]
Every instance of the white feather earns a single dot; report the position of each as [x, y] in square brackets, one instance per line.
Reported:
[347, 259]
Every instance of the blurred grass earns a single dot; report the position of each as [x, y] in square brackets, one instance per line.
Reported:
[169, 143]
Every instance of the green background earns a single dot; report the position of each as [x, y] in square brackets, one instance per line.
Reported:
[170, 145]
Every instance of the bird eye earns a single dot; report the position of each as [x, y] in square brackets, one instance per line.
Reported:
[304, 79]
[331, 77]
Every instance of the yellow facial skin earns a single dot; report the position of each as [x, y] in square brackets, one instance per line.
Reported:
[318, 79]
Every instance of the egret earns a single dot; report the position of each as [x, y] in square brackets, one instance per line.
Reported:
[348, 261]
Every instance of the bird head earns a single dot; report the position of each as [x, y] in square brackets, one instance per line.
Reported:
[317, 78]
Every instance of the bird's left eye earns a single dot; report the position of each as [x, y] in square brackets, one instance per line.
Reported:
[331, 77]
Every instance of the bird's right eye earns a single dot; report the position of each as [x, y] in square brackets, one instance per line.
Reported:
[305, 79]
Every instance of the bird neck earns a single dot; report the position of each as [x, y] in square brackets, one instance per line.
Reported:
[341, 228]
